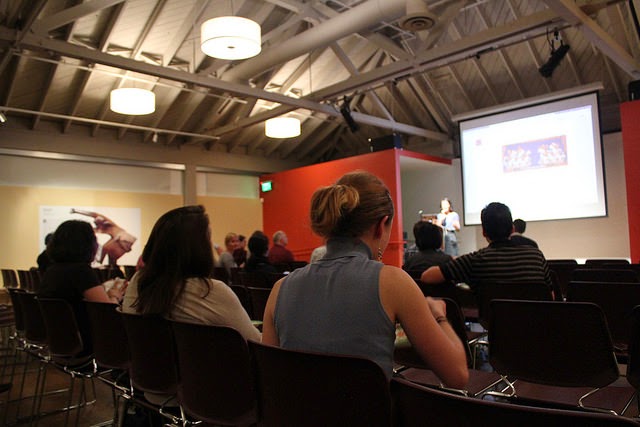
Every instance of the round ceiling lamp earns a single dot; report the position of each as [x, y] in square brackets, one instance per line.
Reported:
[282, 127]
[132, 101]
[230, 37]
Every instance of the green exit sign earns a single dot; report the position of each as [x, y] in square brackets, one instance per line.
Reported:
[266, 186]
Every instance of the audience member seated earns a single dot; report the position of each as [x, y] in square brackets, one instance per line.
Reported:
[43, 259]
[175, 279]
[517, 236]
[429, 242]
[240, 253]
[349, 302]
[279, 254]
[70, 277]
[231, 243]
[501, 261]
[258, 261]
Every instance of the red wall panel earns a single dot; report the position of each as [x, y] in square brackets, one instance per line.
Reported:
[286, 207]
[630, 118]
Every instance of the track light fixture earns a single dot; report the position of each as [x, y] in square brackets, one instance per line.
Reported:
[546, 70]
[345, 110]
[3, 118]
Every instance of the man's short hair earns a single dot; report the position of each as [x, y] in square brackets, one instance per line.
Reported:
[427, 235]
[519, 225]
[277, 236]
[496, 221]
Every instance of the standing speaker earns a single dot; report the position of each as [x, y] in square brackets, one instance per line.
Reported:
[634, 90]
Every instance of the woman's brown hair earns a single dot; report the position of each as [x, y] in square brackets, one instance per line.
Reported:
[351, 206]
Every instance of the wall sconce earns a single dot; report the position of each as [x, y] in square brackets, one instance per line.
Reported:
[230, 37]
[282, 127]
[132, 101]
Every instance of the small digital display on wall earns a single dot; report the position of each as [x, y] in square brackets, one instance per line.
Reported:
[266, 186]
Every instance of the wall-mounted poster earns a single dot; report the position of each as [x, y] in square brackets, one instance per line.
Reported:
[117, 230]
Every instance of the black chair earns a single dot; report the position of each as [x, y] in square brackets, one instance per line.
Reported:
[560, 353]
[633, 365]
[297, 388]
[9, 278]
[607, 261]
[26, 282]
[258, 298]
[221, 273]
[522, 290]
[66, 351]
[418, 371]
[563, 269]
[418, 406]
[604, 275]
[153, 368]
[111, 351]
[253, 279]
[616, 300]
[216, 384]
[243, 295]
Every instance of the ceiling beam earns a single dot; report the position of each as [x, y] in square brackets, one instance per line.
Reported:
[43, 26]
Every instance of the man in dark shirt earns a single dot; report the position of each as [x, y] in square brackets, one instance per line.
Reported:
[501, 261]
[517, 236]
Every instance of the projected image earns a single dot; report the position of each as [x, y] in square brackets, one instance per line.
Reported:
[544, 161]
[542, 153]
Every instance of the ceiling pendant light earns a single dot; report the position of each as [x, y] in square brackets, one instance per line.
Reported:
[132, 101]
[282, 127]
[230, 37]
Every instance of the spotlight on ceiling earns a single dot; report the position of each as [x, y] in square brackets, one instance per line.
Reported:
[346, 113]
[3, 118]
[546, 70]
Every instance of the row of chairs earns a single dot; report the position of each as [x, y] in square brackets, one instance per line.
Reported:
[217, 378]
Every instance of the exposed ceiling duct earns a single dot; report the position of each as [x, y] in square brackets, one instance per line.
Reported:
[418, 17]
[346, 23]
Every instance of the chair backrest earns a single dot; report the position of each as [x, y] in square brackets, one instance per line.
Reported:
[444, 290]
[129, 271]
[9, 278]
[34, 329]
[633, 365]
[254, 279]
[258, 298]
[563, 269]
[24, 276]
[110, 344]
[63, 335]
[417, 406]
[609, 261]
[604, 275]
[221, 273]
[521, 290]
[297, 388]
[18, 314]
[153, 361]
[564, 344]
[617, 301]
[243, 295]
[216, 383]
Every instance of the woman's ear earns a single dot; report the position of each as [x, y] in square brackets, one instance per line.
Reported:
[380, 226]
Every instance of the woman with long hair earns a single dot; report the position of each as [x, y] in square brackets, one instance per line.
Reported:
[349, 302]
[176, 278]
